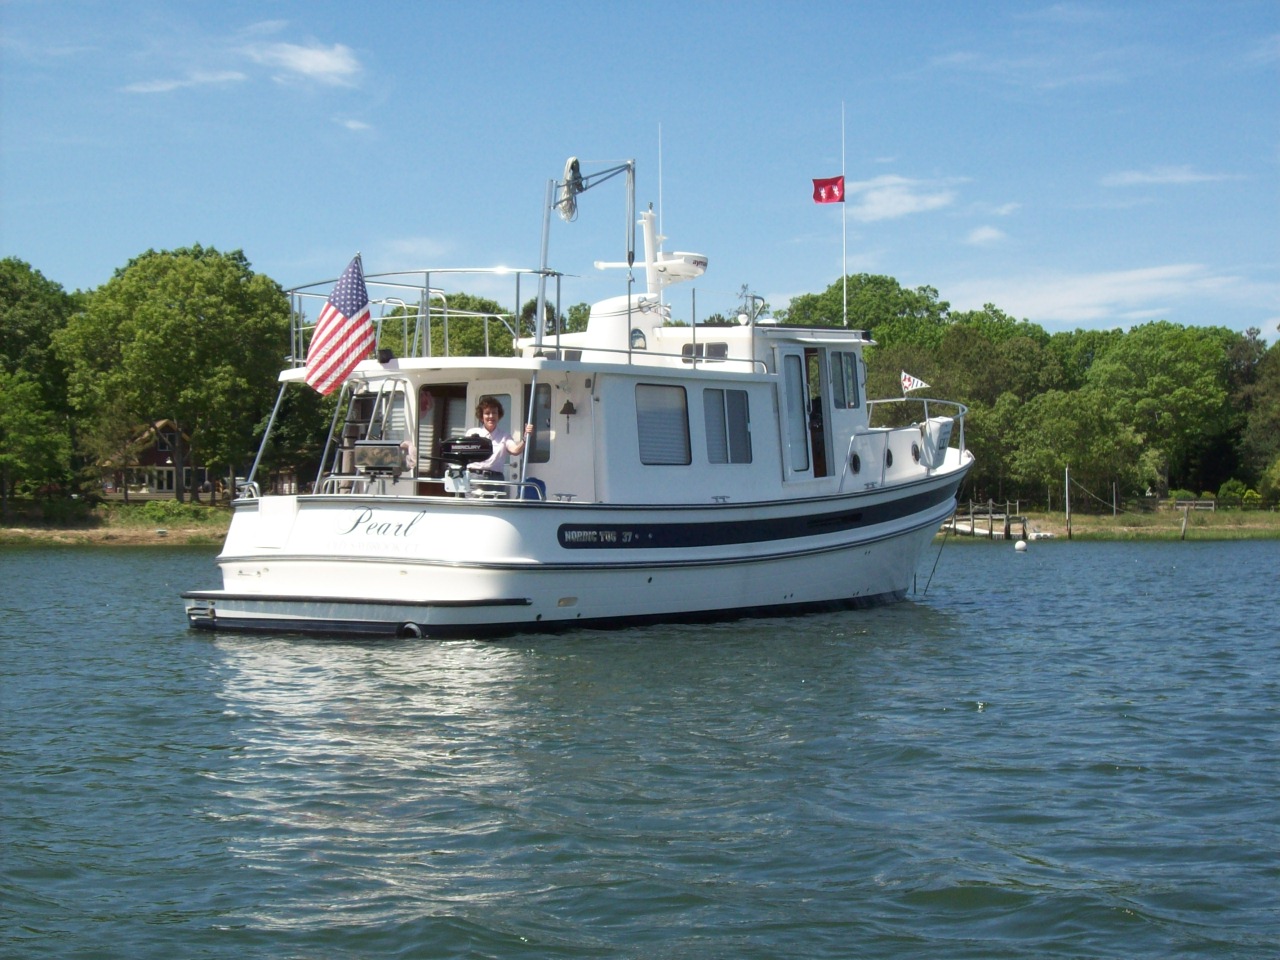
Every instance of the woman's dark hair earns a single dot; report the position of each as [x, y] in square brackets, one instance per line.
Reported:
[488, 401]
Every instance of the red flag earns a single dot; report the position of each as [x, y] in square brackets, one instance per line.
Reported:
[344, 332]
[829, 190]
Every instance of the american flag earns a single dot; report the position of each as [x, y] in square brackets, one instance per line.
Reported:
[344, 332]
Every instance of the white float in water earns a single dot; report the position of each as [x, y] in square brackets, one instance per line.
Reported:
[1021, 546]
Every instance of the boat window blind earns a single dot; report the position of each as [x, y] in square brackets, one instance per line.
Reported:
[727, 425]
[717, 433]
[739, 419]
[662, 424]
[390, 417]
[398, 417]
[455, 416]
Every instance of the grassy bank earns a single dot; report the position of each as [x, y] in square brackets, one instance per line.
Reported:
[155, 522]
[1160, 525]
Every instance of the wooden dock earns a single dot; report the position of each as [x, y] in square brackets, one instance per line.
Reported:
[990, 520]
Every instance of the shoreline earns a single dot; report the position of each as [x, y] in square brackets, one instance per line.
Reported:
[1219, 525]
[114, 536]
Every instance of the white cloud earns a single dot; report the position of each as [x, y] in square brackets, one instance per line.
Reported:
[984, 236]
[195, 79]
[356, 125]
[1160, 176]
[890, 196]
[265, 28]
[1050, 71]
[335, 65]
[1114, 297]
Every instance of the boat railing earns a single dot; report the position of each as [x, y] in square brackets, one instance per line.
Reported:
[414, 316]
[426, 314]
[638, 356]
[247, 489]
[363, 484]
[899, 412]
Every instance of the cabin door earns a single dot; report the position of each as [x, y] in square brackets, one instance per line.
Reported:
[804, 412]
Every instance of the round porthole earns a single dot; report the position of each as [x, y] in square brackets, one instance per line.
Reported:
[855, 463]
[915, 452]
[888, 458]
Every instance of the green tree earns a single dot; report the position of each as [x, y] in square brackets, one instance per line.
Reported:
[1259, 442]
[990, 434]
[476, 327]
[1269, 484]
[32, 309]
[576, 319]
[1171, 382]
[297, 438]
[1085, 430]
[1077, 351]
[880, 304]
[35, 447]
[191, 335]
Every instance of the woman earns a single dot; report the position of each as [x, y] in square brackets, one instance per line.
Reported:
[489, 412]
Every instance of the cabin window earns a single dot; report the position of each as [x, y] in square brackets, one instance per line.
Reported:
[662, 424]
[728, 426]
[797, 411]
[708, 351]
[390, 418]
[539, 449]
[844, 380]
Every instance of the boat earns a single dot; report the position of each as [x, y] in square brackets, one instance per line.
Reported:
[672, 470]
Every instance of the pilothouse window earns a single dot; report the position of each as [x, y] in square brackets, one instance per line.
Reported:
[844, 380]
[709, 351]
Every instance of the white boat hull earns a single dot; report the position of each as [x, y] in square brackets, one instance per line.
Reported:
[636, 468]
[439, 568]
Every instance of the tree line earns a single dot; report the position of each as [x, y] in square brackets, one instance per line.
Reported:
[196, 337]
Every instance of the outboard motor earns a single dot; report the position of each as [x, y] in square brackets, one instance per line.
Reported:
[457, 453]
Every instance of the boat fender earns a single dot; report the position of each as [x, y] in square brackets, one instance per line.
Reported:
[409, 630]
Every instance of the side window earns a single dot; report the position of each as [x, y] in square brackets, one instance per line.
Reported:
[728, 426]
[539, 448]
[662, 424]
[709, 351]
[797, 411]
[844, 380]
[390, 419]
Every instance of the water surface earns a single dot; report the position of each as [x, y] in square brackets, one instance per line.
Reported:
[1067, 753]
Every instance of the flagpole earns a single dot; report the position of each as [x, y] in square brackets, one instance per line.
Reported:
[844, 228]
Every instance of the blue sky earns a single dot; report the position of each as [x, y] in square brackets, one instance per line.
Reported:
[1080, 164]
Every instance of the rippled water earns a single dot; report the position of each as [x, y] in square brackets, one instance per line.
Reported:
[1067, 753]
